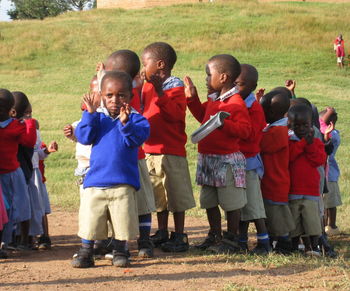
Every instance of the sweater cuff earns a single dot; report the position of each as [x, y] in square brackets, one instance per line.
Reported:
[89, 118]
[126, 129]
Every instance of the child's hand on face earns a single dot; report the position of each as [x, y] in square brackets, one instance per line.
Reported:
[125, 111]
[157, 82]
[310, 136]
[328, 130]
[190, 88]
[100, 66]
[259, 94]
[52, 148]
[91, 101]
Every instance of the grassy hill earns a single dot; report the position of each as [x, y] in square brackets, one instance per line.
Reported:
[53, 60]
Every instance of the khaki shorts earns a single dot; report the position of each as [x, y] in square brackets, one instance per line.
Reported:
[332, 198]
[118, 204]
[306, 215]
[171, 182]
[145, 196]
[279, 219]
[229, 198]
[254, 209]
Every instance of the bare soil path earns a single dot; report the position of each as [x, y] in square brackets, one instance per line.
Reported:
[51, 270]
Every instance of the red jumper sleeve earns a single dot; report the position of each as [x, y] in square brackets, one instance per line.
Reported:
[197, 108]
[28, 136]
[315, 153]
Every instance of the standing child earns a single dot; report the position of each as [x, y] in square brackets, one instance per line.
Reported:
[221, 166]
[111, 183]
[306, 155]
[332, 199]
[12, 133]
[164, 105]
[275, 183]
[127, 61]
[254, 210]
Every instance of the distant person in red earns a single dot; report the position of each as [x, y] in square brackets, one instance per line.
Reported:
[339, 50]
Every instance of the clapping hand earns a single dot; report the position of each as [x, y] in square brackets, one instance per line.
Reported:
[259, 94]
[190, 88]
[91, 102]
[125, 111]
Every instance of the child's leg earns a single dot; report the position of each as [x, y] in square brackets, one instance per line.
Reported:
[162, 218]
[144, 243]
[45, 223]
[233, 219]
[25, 232]
[243, 234]
[262, 236]
[179, 221]
[332, 217]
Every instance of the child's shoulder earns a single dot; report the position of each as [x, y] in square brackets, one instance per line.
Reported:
[172, 82]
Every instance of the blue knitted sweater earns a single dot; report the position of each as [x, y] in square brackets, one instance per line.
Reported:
[114, 148]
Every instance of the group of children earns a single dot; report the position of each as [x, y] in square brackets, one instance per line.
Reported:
[24, 201]
[267, 162]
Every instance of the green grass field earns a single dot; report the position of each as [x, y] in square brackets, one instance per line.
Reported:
[53, 60]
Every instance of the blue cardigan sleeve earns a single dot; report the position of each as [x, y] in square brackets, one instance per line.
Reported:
[88, 128]
[136, 131]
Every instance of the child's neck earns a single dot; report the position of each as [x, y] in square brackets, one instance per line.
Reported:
[164, 75]
[226, 87]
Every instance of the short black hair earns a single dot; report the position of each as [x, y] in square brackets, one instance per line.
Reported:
[300, 100]
[299, 109]
[251, 73]
[162, 51]
[227, 64]
[125, 61]
[117, 75]
[6, 100]
[21, 103]
[283, 90]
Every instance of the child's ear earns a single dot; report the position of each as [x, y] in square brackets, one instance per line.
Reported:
[13, 113]
[223, 78]
[160, 65]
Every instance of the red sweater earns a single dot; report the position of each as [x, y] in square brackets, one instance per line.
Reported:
[237, 126]
[275, 155]
[250, 147]
[166, 116]
[304, 159]
[17, 132]
[136, 104]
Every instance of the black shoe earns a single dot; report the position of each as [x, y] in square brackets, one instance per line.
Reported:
[44, 243]
[161, 236]
[261, 249]
[211, 240]
[178, 242]
[283, 247]
[228, 245]
[84, 258]
[120, 259]
[3, 254]
[145, 247]
[326, 248]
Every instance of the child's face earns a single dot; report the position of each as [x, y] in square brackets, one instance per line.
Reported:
[28, 112]
[115, 94]
[245, 87]
[301, 125]
[150, 66]
[213, 79]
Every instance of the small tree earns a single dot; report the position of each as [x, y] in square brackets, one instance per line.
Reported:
[37, 9]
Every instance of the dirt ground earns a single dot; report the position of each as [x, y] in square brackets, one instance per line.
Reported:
[51, 270]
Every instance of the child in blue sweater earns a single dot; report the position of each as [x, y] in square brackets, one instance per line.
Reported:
[113, 178]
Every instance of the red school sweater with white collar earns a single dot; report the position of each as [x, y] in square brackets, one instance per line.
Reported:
[15, 133]
[237, 126]
[166, 116]
[304, 159]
